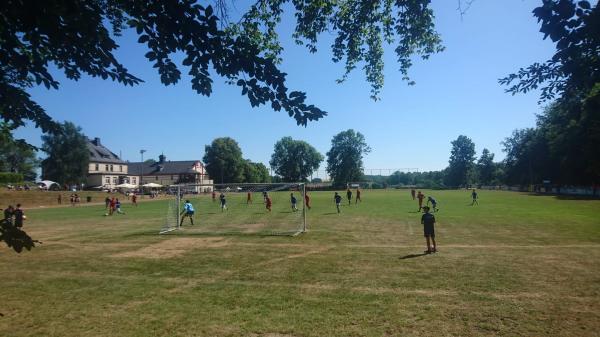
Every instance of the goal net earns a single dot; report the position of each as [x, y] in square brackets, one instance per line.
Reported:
[262, 209]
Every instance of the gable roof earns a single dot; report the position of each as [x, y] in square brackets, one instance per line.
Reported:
[99, 153]
[166, 167]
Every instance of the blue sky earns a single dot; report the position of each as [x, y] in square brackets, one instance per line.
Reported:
[410, 127]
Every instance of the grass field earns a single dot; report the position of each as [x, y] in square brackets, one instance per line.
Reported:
[516, 265]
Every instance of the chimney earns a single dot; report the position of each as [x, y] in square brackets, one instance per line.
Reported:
[96, 141]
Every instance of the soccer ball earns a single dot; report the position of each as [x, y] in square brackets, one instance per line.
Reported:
[24, 217]
[105, 214]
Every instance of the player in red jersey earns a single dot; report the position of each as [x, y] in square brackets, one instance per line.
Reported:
[268, 203]
[420, 196]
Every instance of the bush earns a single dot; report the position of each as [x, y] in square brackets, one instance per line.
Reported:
[10, 178]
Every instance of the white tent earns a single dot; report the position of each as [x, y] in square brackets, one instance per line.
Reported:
[152, 185]
[126, 185]
[47, 184]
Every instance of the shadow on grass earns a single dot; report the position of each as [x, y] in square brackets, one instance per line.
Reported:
[410, 256]
[331, 213]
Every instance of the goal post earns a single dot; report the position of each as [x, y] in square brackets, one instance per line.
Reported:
[244, 208]
[173, 216]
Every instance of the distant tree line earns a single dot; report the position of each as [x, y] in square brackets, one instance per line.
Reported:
[464, 169]
[292, 160]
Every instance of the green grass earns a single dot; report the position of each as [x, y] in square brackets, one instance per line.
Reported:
[516, 265]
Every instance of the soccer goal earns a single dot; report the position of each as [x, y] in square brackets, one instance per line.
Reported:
[261, 208]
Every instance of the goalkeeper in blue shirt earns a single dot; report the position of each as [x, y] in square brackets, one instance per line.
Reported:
[188, 212]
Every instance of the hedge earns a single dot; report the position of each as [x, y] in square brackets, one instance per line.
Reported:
[10, 178]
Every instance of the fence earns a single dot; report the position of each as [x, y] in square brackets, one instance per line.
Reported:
[564, 190]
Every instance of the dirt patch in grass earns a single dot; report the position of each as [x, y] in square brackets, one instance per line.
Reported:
[174, 247]
[253, 227]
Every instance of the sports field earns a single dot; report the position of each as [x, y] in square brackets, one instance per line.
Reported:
[516, 265]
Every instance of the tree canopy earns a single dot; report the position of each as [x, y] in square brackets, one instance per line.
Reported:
[575, 67]
[294, 160]
[345, 158]
[486, 167]
[40, 39]
[68, 155]
[223, 160]
[256, 173]
[460, 165]
[16, 156]
[563, 146]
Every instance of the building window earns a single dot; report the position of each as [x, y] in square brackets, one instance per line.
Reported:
[156, 178]
[120, 168]
[106, 168]
[107, 180]
[97, 167]
[134, 180]
[111, 168]
[115, 180]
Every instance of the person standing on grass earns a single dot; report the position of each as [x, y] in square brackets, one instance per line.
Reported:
[19, 216]
[349, 195]
[268, 202]
[214, 195]
[8, 214]
[338, 200]
[106, 203]
[188, 212]
[412, 193]
[428, 221]
[357, 199]
[223, 202]
[306, 200]
[294, 201]
[134, 199]
[249, 198]
[475, 197]
[111, 206]
[433, 202]
[420, 196]
[118, 207]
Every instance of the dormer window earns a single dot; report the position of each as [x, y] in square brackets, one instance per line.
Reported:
[97, 167]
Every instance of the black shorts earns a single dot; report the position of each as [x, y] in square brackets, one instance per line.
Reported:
[429, 230]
